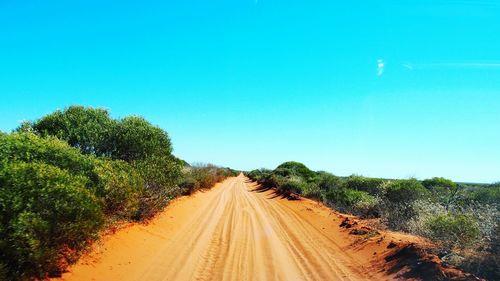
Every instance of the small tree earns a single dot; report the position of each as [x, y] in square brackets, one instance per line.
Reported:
[85, 128]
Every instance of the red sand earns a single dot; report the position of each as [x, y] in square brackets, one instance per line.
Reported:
[233, 232]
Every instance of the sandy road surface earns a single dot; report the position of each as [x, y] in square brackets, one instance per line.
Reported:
[231, 232]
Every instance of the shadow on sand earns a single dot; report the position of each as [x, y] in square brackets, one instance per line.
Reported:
[260, 188]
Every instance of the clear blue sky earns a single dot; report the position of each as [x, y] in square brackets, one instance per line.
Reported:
[387, 89]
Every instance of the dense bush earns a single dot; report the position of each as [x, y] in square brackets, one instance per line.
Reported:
[293, 184]
[43, 209]
[313, 191]
[404, 191]
[29, 147]
[454, 230]
[371, 185]
[346, 197]
[353, 201]
[115, 182]
[486, 194]
[145, 147]
[259, 174]
[326, 181]
[121, 186]
[161, 174]
[292, 168]
[202, 176]
[398, 203]
[439, 182]
[134, 138]
[83, 127]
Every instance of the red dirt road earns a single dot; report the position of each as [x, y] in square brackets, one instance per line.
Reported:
[233, 232]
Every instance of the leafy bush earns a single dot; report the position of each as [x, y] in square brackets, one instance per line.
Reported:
[487, 194]
[313, 191]
[145, 147]
[93, 131]
[134, 138]
[292, 168]
[367, 207]
[85, 128]
[42, 210]
[273, 180]
[292, 185]
[259, 175]
[161, 174]
[346, 197]
[28, 147]
[202, 176]
[188, 185]
[114, 181]
[353, 201]
[326, 181]
[120, 185]
[404, 191]
[439, 182]
[370, 185]
[454, 230]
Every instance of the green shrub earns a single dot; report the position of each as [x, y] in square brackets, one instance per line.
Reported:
[188, 185]
[42, 210]
[312, 191]
[273, 180]
[93, 132]
[114, 181]
[134, 138]
[439, 182]
[259, 175]
[120, 185]
[370, 185]
[404, 191]
[453, 230]
[367, 207]
[161, 173]
[205, 175]
[28, 147]
[291, 168]
[398, 207]
[326, 181]
[346, 197]
[202, 176]
[487, 195]
[292, 185]
[353, 201]
[85, 128]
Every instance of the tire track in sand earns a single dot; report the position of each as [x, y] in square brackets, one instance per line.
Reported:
[233, 233]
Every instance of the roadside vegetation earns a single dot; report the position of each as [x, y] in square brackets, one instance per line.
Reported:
[462, 219]
[70, 174]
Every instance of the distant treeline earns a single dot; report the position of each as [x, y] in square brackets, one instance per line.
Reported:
[68, 175]
[463, 219]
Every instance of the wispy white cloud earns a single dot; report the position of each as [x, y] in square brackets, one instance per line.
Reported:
[380, 67]
[407, 66]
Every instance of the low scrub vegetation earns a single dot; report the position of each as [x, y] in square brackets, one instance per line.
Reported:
[462, 219]
[68, 175]
[202, 176]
